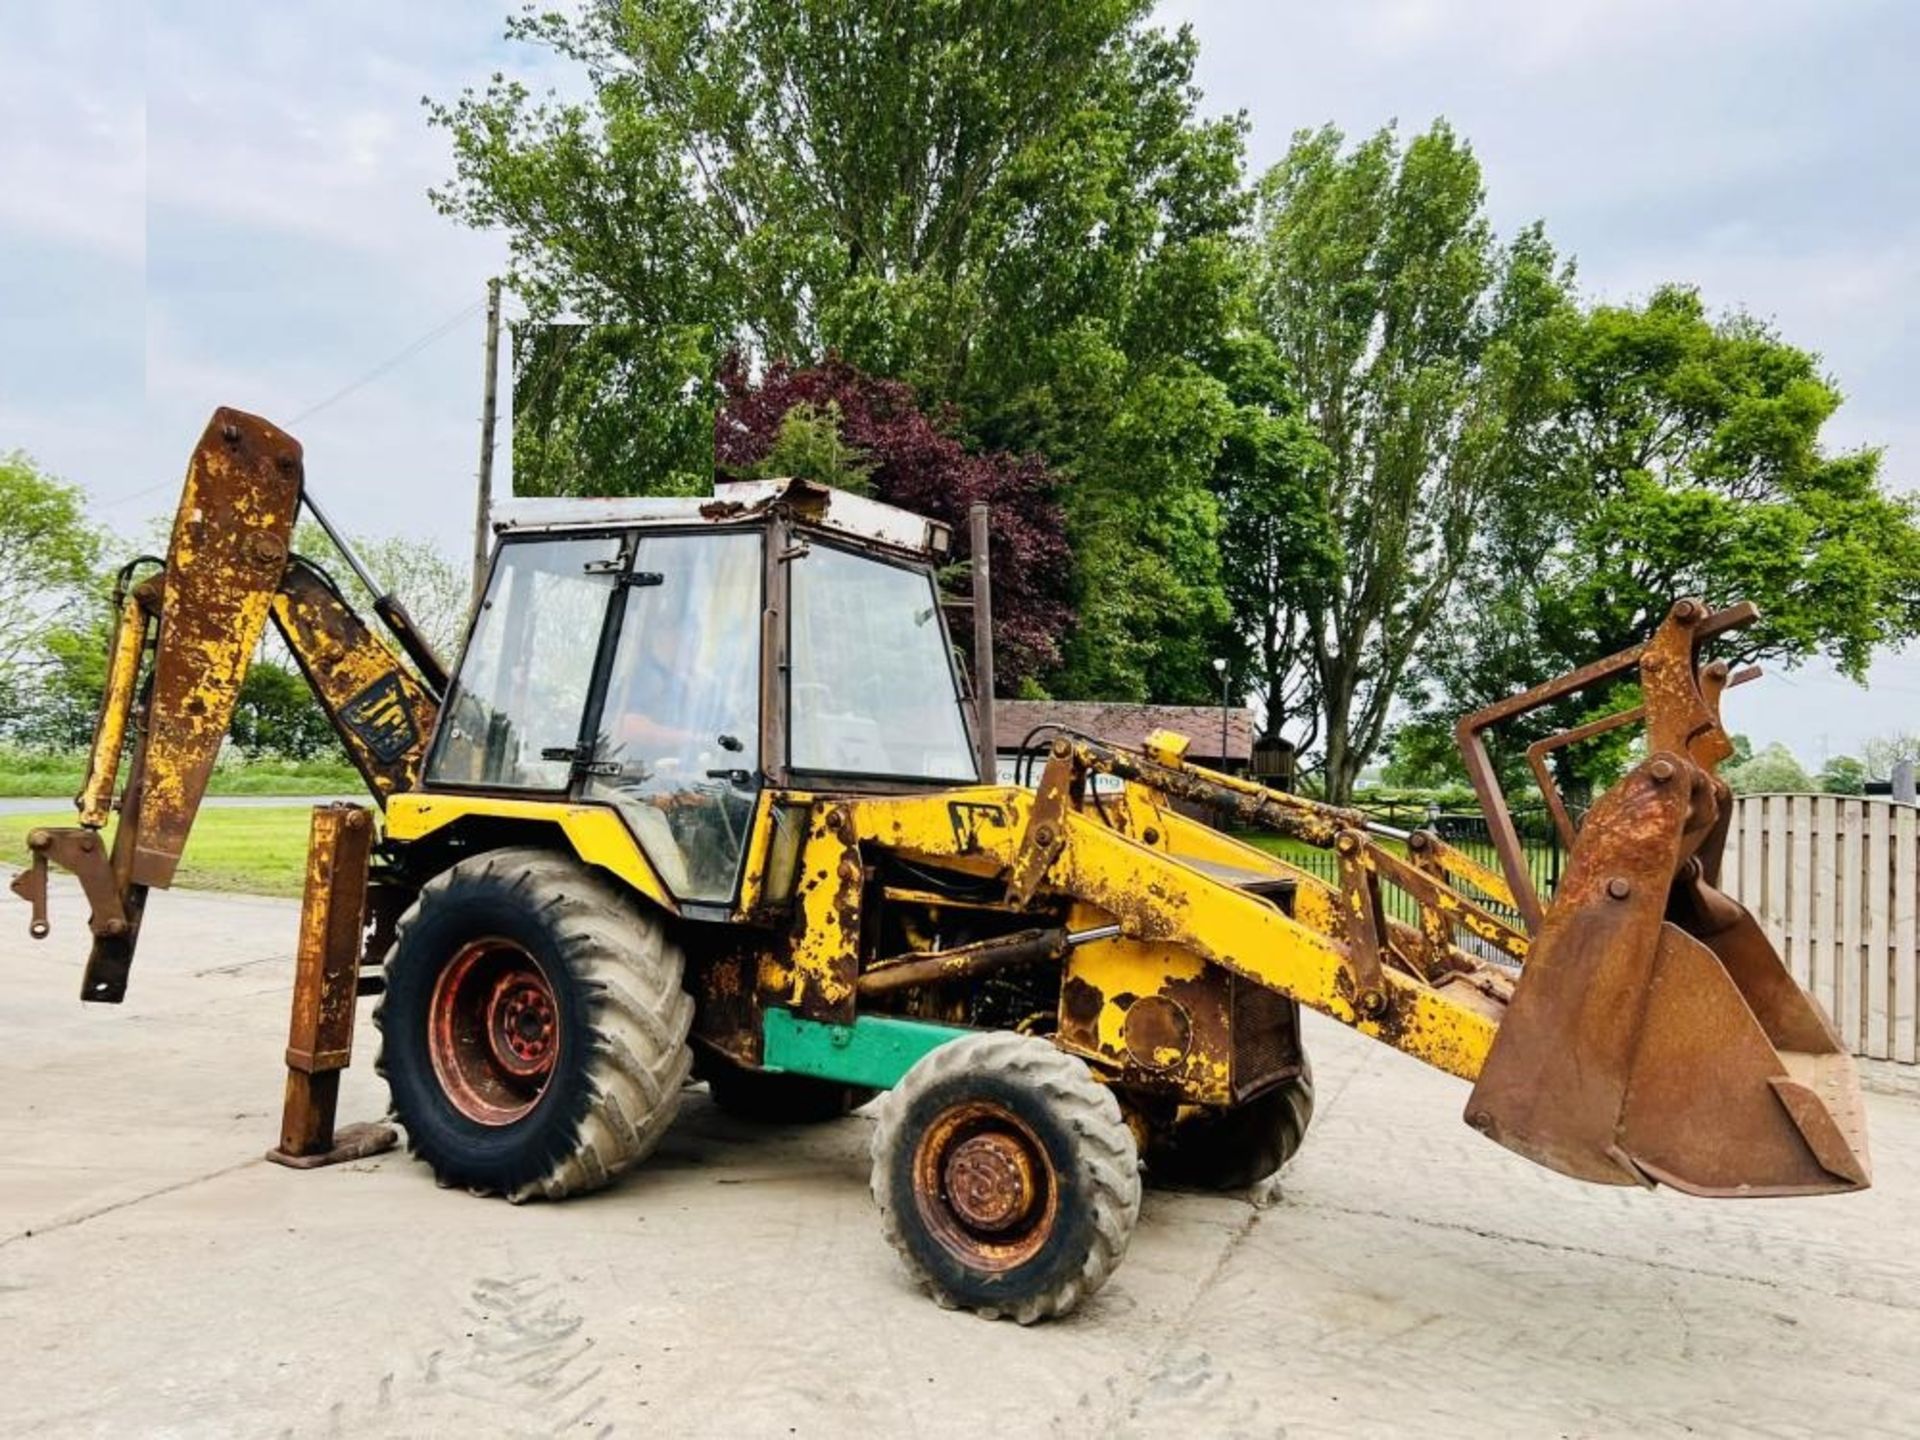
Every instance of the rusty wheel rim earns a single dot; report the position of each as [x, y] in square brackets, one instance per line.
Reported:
[984, 1186]
[493, 1031]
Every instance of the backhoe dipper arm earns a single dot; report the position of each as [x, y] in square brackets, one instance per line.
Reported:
[193, 628]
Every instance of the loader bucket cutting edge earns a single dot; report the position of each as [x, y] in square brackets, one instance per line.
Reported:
[1655, 1037]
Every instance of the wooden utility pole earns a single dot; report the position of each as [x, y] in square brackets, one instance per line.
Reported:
[979, 532]
[488, 408]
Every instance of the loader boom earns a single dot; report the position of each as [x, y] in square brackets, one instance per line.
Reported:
[1638, 979]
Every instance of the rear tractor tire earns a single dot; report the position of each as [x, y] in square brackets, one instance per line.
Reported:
[534, 1028]
[1237, 1148]
[763, 1097]
[1006, 1177]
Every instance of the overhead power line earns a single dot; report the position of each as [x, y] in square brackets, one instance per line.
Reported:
[400, 357]
[444, 327]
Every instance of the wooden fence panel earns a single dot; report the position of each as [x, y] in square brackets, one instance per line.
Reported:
[1773, 826]
[1879, 903]
[1906, 974]
[1834, 881]
[1846, 924]
[1800, 892]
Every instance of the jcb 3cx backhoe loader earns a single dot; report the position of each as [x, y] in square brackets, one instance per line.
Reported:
[707, 795]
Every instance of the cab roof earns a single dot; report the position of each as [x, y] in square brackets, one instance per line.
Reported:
[733, 502]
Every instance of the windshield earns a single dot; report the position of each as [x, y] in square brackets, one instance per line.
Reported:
[872, 688]
[523, 682]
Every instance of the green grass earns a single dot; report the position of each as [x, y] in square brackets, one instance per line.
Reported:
[1400, 905]
[41, 772]
[263, 851]
[1298, 852]
[255, 851]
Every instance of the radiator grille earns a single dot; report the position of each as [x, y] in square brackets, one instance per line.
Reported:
[1266, 1037]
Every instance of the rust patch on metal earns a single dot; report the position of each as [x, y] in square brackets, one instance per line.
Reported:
[1080, 1007]
[1159, 1033]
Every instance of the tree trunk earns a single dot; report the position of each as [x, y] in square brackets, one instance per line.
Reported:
[1343, 767]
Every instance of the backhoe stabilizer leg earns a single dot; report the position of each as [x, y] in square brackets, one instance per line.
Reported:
[325, 986]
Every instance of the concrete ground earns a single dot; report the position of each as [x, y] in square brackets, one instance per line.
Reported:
[157, 1276]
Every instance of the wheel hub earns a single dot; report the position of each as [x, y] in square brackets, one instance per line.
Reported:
[989, 1182]
[493, 1031]
[521, 1023]
[985, 1185]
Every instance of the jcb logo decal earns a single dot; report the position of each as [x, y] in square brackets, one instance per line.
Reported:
[381, 719]
[968, 816]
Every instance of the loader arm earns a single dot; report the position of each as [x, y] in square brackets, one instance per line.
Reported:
[183, 640]
[1634, 1028]
[1651, 1036]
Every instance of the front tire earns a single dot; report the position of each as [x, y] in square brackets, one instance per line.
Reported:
[1006, 1177]
[534, 1027]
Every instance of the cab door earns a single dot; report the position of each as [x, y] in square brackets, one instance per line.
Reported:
[679, 733]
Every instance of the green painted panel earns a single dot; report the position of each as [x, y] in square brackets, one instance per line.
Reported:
[875, 1050]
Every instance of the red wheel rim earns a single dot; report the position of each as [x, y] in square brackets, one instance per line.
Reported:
[493, 1031]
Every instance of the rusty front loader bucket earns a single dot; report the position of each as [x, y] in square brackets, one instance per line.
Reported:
[1655, 1036]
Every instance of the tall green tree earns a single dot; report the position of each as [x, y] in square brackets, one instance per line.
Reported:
[1843, 775]
[1014, 207]
[608, 409]
[783, 178]
[1684, 458]
[1689, 463]
[1420, 347]
[1107, 344]
[1772, 771]
[1278, 545]
[48, 551]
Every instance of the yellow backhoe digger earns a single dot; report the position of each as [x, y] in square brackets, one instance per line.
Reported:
[709, 795]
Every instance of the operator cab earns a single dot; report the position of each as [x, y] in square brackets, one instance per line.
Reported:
[673, 657]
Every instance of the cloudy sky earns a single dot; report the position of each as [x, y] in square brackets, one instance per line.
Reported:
[208, 204]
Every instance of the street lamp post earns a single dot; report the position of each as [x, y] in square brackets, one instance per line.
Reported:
[1221, 666]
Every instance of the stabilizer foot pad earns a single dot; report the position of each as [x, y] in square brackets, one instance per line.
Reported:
[350, 1142]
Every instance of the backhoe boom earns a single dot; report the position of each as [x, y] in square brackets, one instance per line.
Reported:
[183, 641]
